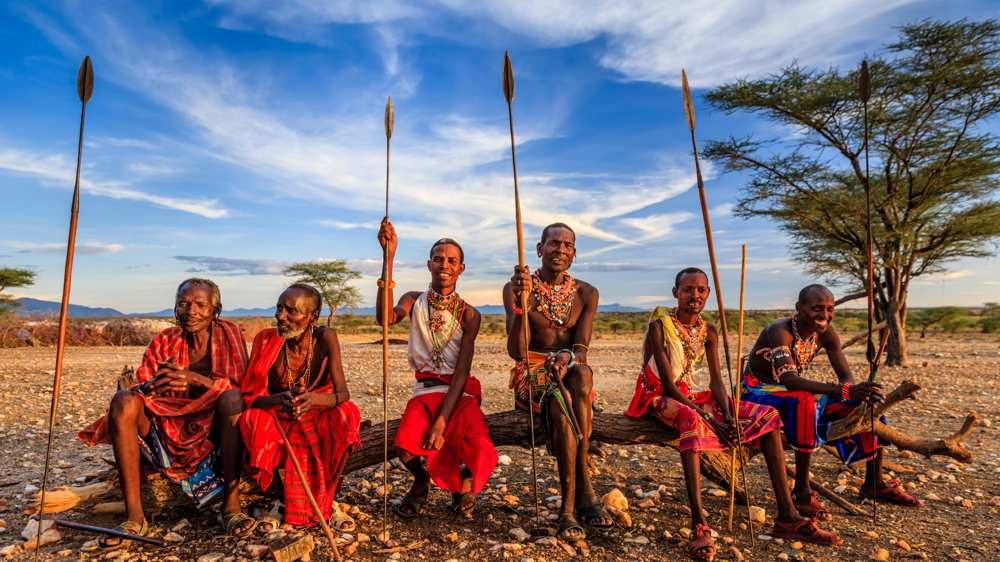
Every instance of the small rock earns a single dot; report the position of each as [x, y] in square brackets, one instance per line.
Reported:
[638, 540]
[8, 550]
[349, 549]
[31, 529]
[211, 557]
[569, 549]
[547, 541]
[30, 489]
[684, 510]
[782, 556]
[645, 504]
[504, 460]
[519, 534]
[452, 538]
[616, 499]
[932, 496]
[257, 550]
[840, 489]
[180, 525]
[734, 553]
[174, 537]
[880, 554]
[49, 536]
[903, 545]
[90, 546]
[757, 515]
[620, 517]
[512, 547]
[796, 545]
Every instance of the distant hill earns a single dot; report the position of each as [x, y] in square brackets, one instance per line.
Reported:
[46, 308]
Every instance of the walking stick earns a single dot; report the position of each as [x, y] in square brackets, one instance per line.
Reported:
[508, 93]
[84, 88]
[389, 121]
[736, 391]
[689, 114]
[309, 494]
[866, 92]
[102, 530]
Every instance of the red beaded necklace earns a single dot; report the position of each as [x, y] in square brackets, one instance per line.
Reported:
[692, 339]
[555, 301]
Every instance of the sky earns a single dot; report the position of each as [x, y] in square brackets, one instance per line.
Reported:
[229, 139]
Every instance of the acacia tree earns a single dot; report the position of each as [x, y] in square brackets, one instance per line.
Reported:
[330, 278]
[934, 161]
[13, 278]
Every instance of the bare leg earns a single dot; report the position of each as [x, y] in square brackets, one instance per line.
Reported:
[802, 491]
[420, 477]
[873, 472]
[580, 383]
[228, 409]
[774, 456]
[126, 422]
[564, 445]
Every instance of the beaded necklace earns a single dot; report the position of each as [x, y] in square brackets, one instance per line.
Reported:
[306, 369]
[693, 339]
[555, 301]
[437, 304]
[802, 350]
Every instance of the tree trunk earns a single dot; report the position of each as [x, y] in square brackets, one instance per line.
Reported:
[895, 349]
[329, 319]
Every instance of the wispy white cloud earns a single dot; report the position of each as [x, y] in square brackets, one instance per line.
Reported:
[341, 225]
[235, 265]
[81, 248]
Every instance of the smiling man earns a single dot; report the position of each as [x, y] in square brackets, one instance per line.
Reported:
[182, 413]
[775, 377]
[560, 317]
[296, 379]
[443, 420]
[670, 389]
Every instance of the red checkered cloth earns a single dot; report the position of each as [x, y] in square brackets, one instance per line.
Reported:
[319, 439]
[185, 423]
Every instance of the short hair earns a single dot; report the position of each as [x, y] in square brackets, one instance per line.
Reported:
[685, 271]
[545, 231]
[447, 242]
[196, 282]
[315, 299]
[804, 293]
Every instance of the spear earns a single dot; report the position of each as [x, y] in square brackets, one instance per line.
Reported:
[508, 93]
[866, 93]
[736, 391]
[689, 114]
[389, 121]
[84, 88]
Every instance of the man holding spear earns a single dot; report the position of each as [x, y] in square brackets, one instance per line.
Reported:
[677, 341]
[560, 319]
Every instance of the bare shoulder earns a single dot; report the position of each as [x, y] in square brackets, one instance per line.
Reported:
[471, 314]
[829, 337]
[779, 331]
[328, 336]
[585, 290]
[712, 330]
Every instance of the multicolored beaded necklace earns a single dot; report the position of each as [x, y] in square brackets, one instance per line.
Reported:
[693, 341]
[437, 304]
[802, 350]
[306, 369]
[555, 301]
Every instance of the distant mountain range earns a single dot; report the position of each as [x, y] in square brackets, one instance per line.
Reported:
[35, 306]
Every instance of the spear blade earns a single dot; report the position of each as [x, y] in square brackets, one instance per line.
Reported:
[389, 118]
[688, 104]
[508, 78]
[85, 80]
[866, 83]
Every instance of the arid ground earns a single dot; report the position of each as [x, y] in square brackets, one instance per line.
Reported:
[958, 374]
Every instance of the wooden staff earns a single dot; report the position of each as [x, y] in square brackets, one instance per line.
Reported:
[508, 93]
[309, 494]
[689, 114]
[389, 121]
[736, 390]
[866, 92]
[84, 88]
[102, 530]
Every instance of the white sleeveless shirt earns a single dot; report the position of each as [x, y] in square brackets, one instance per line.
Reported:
[420, 349]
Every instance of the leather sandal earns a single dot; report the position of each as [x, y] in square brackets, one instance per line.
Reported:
[702, 545]
[818, 536]
[130, 527]
[415, 501]
[568, 522]
[231, 522]
[814, 510]
[892, 494]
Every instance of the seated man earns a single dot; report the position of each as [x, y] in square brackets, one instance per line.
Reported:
[677, 341]
[774, 377]
[296, 379]
[442, 420]
[184, 404]
[560, 318]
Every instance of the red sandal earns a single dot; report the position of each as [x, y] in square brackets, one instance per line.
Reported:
[701, 539]
[892, 494]
[818, 536]
[814, 510]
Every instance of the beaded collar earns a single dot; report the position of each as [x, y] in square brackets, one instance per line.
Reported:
[555, 301]
[442, 331]
[693, 339]
[802, 350]
[299, 374]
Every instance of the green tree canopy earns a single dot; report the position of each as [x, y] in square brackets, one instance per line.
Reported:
[331, 278]
[13, 278]
[934, 161]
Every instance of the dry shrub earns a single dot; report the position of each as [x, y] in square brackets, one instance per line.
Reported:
[252, 326]
[43, 331]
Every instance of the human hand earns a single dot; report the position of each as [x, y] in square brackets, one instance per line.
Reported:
[725, 430]
[178, 377]
[557, 363]
[387, 237]
[286, 401]
[304, 402]
[520, 282]
[434, 438]
[870, 392]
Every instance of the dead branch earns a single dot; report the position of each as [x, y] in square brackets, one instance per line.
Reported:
[857, 337]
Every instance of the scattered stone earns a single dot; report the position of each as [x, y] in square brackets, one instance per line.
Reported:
[8, 550]
[31, 529]
[880, 554]
[995, 501]
[350, 548]
[782, 556]
[645, 504]
[90, 546]
[638, 540]
[519, 534]
[173, 537]
[512, 547]
[257, 550]
[547, 541]
[791, 553]
[504, 460]
[903, 545]
[684, 509]
[932, 496]
[796, 545]
[452, 538]
[211, 557]
[734, 553]
[50, 536]
[569, 549]
[757, 515]
[620, 517]
[616, 499]
[183, 523]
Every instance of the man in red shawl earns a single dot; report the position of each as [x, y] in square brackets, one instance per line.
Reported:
[442, 420]
[671, 390]
[182, 413]
[296, 379]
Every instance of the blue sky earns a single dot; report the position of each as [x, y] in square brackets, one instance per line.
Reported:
[230, 138]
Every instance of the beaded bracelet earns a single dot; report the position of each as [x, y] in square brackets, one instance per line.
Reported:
[587, 349]
[381, 284]
[845, 391]
[705, 416]
[518, 310]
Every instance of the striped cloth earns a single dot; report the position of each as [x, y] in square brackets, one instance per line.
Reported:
[533, 385]
[319, 439]
[183, 424]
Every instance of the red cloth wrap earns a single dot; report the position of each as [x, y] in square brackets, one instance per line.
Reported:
[466, 437]
[186, 423]
[319, 439]
[648, 387]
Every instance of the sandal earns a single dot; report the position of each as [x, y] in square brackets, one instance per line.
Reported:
[126, 527]
[818, 536]
[814, 510]
[702, 545]
[589, 513]
[415, 501]
[892, 494]
[568, 522]
[341, 521]
[462, 498]
[231, 522]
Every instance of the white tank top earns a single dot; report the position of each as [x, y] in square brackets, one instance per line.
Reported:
[420, 349]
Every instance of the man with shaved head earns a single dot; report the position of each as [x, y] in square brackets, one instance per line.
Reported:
[774, 377]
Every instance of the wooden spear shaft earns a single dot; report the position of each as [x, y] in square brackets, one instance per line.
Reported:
[309, 495]
[736, 391]
[689, 114]
[865, 91]
[389, 123]
[85, 88]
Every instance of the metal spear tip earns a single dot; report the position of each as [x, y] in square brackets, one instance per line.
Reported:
[508, 78]
[688, 104]
[389, 118]
[85, 80]
[866, 84]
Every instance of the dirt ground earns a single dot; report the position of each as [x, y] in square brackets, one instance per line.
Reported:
[958, 375]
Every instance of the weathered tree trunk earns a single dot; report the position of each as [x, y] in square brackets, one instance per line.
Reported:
[895, 349]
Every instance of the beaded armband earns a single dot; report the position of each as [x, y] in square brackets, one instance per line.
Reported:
[845, 391]
[381, 284]
[518, 310]
[780, 352]
[789, 368]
